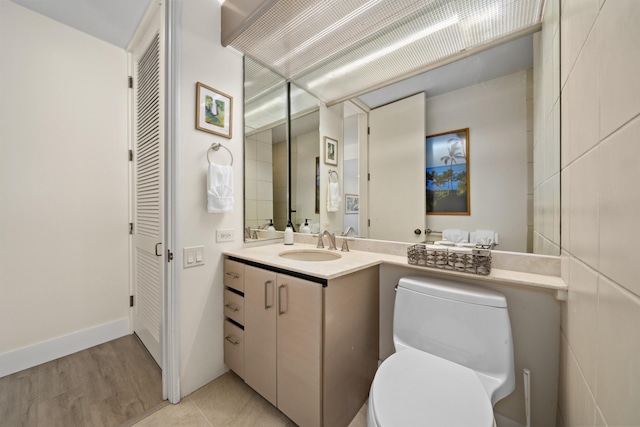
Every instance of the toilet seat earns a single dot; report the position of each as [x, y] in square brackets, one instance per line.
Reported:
[415, 388]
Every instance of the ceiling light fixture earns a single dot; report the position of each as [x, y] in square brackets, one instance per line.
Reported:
[355, 65]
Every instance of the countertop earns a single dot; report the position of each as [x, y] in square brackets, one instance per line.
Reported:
[355, 260]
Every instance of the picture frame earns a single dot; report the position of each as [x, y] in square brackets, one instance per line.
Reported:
[214, 111]
[330, 151]
[351, 204]
[447, 173]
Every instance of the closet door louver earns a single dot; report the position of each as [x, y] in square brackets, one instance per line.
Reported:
[148, 201]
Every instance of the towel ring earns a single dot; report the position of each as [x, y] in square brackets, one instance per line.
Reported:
[332, 172]
[215, 147]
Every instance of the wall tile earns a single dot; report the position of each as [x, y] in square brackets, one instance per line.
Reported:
[619, 205]
[583, 205]
[618, 390]
[582, 318]
[581, 106]
[619, 59]
[576, 21]
[565, 207]
[576, 401]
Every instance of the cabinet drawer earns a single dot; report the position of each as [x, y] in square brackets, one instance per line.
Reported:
[234, 306]
[234, 348]
[234, 275]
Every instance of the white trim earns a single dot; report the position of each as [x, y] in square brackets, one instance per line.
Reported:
[45, 351]
[170, 315]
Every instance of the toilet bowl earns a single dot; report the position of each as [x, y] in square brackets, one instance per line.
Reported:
[414, 388]
[453, 360]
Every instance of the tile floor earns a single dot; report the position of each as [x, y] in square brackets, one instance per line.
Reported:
[226, 401]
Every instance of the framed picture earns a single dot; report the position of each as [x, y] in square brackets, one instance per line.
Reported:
[351, 204]
[330, 151]
[448, 173]
[213, 111]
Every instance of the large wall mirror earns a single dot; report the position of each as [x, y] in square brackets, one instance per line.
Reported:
[508, 98]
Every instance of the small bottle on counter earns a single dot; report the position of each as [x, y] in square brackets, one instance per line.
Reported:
[288, 234]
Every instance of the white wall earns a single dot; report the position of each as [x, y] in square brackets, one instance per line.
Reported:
[63, 181]
[258, 180]
[304, 151]
[331, 125]
[600, 368]
[203, 59]
[495, 113]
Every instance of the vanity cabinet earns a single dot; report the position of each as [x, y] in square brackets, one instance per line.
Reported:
[310, 346]
[283, 341]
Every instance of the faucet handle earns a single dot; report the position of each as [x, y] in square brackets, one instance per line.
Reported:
[345, 244]
[320, 244]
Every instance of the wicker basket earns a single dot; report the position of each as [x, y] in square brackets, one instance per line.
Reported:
[478, 261]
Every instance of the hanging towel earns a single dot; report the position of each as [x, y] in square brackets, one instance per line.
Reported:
[220, 188]
[333, 197]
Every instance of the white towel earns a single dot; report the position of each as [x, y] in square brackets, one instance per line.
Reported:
[455, 235]
[333, 197]
[220, 189]
[485, 237]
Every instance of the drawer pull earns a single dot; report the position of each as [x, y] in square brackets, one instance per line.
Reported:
[232, 340]
[232, 306]
[233, 275]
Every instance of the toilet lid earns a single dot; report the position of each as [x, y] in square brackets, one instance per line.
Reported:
[414, 388]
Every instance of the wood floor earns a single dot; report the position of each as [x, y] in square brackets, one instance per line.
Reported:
[106, 385]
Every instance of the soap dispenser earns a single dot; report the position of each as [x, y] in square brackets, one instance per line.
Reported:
[288, 234]
[305, 227]
[271, 230]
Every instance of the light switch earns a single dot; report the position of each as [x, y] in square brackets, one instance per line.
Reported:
[193, 256]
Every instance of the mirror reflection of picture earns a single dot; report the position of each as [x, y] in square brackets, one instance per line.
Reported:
[448, 173]
[330, 151]
[352, 204]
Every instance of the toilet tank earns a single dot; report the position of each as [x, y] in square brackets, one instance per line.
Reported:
[466, 324]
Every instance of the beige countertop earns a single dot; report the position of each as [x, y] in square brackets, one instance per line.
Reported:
[355, 260]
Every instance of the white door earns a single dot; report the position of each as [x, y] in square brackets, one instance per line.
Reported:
[148, 251]
[397, 181]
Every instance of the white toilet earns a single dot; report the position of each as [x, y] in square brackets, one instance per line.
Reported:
[453, 360]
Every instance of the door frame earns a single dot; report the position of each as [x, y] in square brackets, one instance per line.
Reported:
[170, 27]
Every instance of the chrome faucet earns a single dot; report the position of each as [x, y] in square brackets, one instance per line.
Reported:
[347, 231]
[331, 238]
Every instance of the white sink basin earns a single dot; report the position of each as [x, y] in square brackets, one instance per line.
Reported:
[310, 255]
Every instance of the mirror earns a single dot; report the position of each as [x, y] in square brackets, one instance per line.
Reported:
[538, 142]
[270, 160]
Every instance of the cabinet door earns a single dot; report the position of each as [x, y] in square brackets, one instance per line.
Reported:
[260, 331]
[299, 349]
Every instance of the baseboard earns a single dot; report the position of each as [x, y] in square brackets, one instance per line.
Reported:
[503, 421]
[36, 354]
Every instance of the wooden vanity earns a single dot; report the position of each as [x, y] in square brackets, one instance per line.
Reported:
[307, 344]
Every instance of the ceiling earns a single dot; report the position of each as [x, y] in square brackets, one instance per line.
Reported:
[113, 21]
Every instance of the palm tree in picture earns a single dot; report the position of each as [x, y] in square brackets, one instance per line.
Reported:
[455, 153]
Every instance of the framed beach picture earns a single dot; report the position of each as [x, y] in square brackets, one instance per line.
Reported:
[213, 111]
[330, 151]
[351, 204]
[447, 173]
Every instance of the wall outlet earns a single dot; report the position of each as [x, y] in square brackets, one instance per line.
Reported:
[224, 235]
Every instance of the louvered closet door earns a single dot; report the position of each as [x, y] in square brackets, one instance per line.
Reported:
[148, 250]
